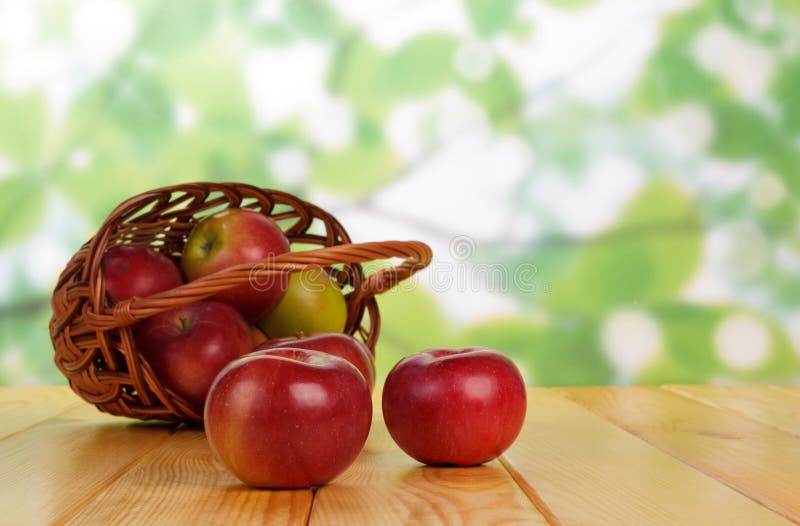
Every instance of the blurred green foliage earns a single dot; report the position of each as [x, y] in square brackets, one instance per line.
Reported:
[178, 103]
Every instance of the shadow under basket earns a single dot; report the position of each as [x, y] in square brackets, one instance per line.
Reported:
[93, 337]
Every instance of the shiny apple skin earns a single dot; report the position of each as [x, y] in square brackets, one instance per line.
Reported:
[313, 304]
[188, 346]
[288, 418]
[336, 344]
[232, 237]
[459, 407]
[138, 271]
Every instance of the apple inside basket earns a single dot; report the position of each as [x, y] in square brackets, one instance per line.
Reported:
[93, 335]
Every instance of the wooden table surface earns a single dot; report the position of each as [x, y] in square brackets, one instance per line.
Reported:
[611, 456]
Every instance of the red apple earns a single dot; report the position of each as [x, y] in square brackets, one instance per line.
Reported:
[186, 347]
[232, 237]
[336, 344]
[288, 418]
[454, 407]
[138, 271]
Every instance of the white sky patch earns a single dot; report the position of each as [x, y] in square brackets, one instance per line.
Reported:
[101, 30]
[605, 80]
[389, 24]
[591, 205]
[767, 190]
[412, 127]
[285, 81]
[564, 39]
[18, 24]
[738, 249]
[759, 14]
[685, 131]
[742, 341]
[184, 115]
[12, 362]
[80, 159]
[330, 123]
[746, 66]
[44, 259]
[474, 60]
[718, 177]
[267, 10]
[787, 257]
[7, 167]
[792, 325]
[479, 173]
[290, 165]
[632, 339]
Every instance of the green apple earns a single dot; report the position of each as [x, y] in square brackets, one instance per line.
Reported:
[313, 304]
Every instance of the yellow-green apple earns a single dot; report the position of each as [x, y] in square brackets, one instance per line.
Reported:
[459, 407]
[231, 237]
[313, 304]
[138, 271]
[288, 418]
[335, 344]
[186, 347]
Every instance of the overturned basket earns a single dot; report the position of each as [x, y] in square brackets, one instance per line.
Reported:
[93, 338]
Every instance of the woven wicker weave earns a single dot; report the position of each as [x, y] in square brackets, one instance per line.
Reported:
[92, 336]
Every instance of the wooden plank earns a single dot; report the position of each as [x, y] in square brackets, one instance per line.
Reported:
[589, 471]
[791, 389]
[385, 486]
[181, 482]
[757, 460]
[52, 468]
[773, 407]
[23, 407]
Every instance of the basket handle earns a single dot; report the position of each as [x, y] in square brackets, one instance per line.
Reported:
[417, 255]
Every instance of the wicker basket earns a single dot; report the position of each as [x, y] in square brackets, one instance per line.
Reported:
[92, 336]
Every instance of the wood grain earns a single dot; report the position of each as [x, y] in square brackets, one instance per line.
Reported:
[589, 471]
[52, 469]
[773, 407]
[757, 460]
[23, 407]
[181, 482]
[385, 486]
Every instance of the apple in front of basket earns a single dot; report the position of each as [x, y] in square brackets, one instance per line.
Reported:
[287, 417]
[456, 407]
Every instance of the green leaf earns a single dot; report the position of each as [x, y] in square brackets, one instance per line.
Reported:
[671, 75]
[21, 206]
[209, 78]
[500, 94]
[491, 16]
[787, 96]
[691, 354]
[356, 170]
[26, 352]
[131, 103]
[646, 258]
[313, 18]
[372, 80]
[742, 132]
[107, 181]
[169, 27]
[210, 153]
[570, 4]
[411, 321]
[23, 124]
[565, 352]
[354, 73]
[418, 68]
